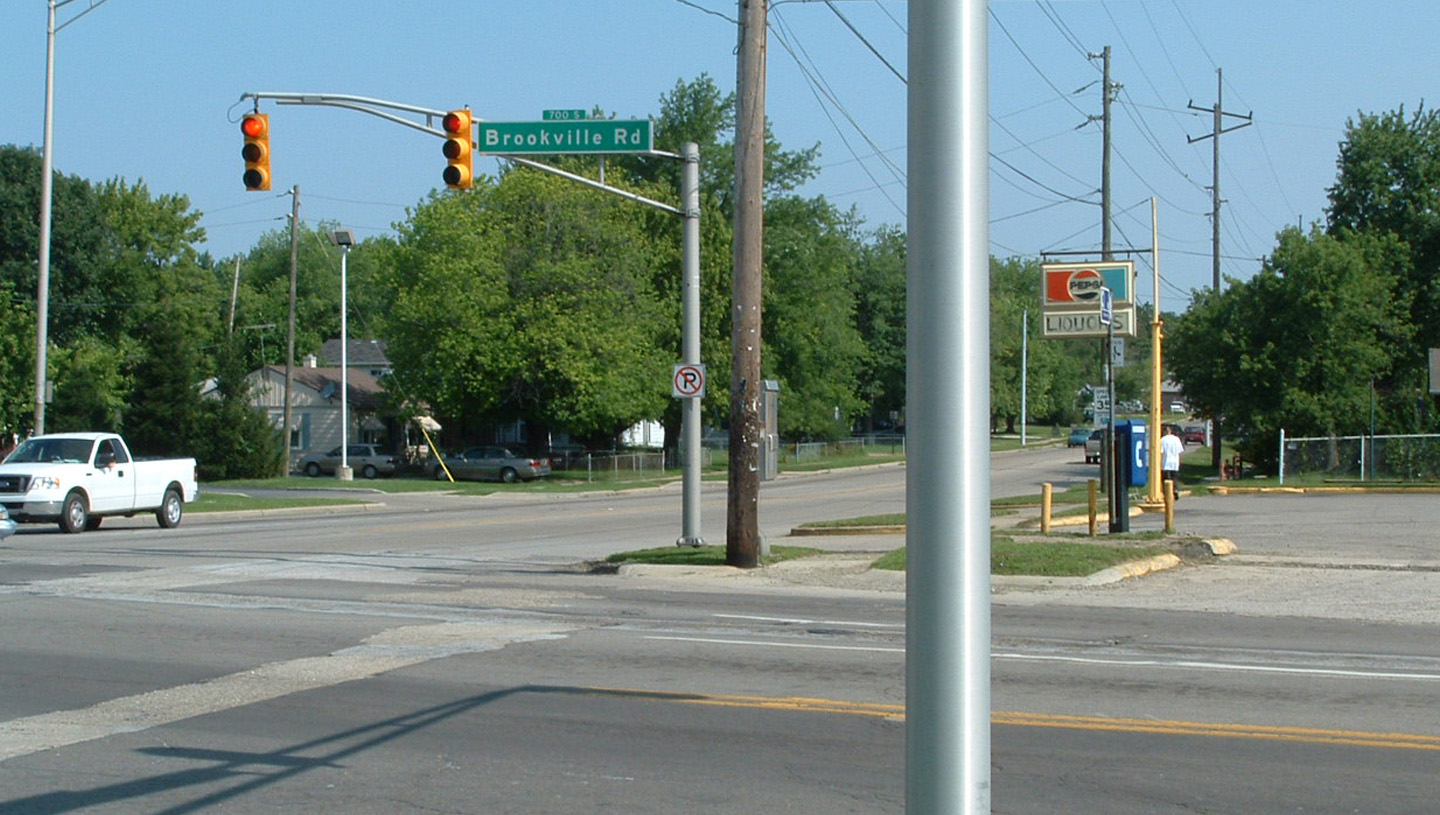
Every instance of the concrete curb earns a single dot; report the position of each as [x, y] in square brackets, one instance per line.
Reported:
[1134, 568]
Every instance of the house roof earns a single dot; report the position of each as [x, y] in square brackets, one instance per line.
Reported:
[362, 353]
[364, 392]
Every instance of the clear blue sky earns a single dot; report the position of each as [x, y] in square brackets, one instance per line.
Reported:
[148, 90]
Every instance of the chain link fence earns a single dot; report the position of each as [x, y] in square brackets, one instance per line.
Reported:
[1361, 458]
[609, 466]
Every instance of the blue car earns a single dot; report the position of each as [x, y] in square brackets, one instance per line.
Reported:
[1078, 435]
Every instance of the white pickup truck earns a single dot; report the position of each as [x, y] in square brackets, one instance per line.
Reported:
[76, 479]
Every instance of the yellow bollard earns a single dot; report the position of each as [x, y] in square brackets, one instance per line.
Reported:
[1047, 492]
[1094, 507]
[1169, 507]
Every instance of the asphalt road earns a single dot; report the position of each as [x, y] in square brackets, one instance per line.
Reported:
[443, 654]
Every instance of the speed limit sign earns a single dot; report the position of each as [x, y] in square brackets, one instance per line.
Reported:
[688, 381]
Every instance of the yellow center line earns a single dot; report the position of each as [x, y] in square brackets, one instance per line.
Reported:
[1352, 738]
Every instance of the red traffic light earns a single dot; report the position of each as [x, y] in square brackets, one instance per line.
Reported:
[459, 172]
[255, 127]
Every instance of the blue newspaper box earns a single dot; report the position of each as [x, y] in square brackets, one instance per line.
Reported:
[1132, 453]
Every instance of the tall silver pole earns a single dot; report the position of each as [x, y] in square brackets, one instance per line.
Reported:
[47, 169]
[343, 472]
[947, 731]
[690, 534]
[1024, 371]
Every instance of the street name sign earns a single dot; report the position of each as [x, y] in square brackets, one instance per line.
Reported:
[564, 136]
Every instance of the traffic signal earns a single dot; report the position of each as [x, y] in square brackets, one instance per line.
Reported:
[459, 173]
[256, 152]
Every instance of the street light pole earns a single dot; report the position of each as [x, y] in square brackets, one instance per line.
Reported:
[47, 172]
[344, 238]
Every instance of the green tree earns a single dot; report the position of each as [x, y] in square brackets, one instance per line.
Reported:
[527, 297]
[880, 320]
[1299, 345]
[812, 346]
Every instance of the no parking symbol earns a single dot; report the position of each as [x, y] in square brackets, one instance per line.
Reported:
[688, 381]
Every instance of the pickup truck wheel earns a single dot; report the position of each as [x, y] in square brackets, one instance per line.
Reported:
[74, 513]
[170, 511]
[312, 469]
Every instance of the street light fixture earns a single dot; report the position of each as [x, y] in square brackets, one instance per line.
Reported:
[344, 238]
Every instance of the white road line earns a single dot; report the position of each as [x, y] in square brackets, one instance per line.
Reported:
[1347, 673]
[801, 621]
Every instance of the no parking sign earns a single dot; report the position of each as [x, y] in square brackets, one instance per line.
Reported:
[688, 381]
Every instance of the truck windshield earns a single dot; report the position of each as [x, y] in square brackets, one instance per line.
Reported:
[50, 450]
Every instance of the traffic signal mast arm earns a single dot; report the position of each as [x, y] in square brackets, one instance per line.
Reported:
[382, 108]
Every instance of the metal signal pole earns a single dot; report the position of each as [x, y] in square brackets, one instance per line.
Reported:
[947, 503]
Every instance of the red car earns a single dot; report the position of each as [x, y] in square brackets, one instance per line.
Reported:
[1194, 434]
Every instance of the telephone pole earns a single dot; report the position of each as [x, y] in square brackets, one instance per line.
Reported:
[1107, 95]
[742, 525]
[1218, 115]
[1217, 127]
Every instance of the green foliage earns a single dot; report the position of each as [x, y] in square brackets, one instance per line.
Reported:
[234, 439]
[529, 297]
[880, 278]
[1299, 345]
[811, 344]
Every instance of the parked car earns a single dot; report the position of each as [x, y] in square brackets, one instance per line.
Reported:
[1193, 434]
[366, 459]
[1093, 446]
[491, 462]
[1078, 435]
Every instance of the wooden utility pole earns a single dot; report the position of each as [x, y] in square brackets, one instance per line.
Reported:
[1218, 113]
[1107, 95]
[742, 527]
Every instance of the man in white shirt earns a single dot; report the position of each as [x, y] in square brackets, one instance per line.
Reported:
[1170, 449]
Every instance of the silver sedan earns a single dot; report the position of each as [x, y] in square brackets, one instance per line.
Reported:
[495, 463]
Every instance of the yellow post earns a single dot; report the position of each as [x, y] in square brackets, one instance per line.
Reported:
[1156, 361]
[1047, 491]
[1094, 507]
[1169, 507]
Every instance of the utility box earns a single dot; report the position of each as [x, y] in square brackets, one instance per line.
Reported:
[769, 430]
[1132, 453]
